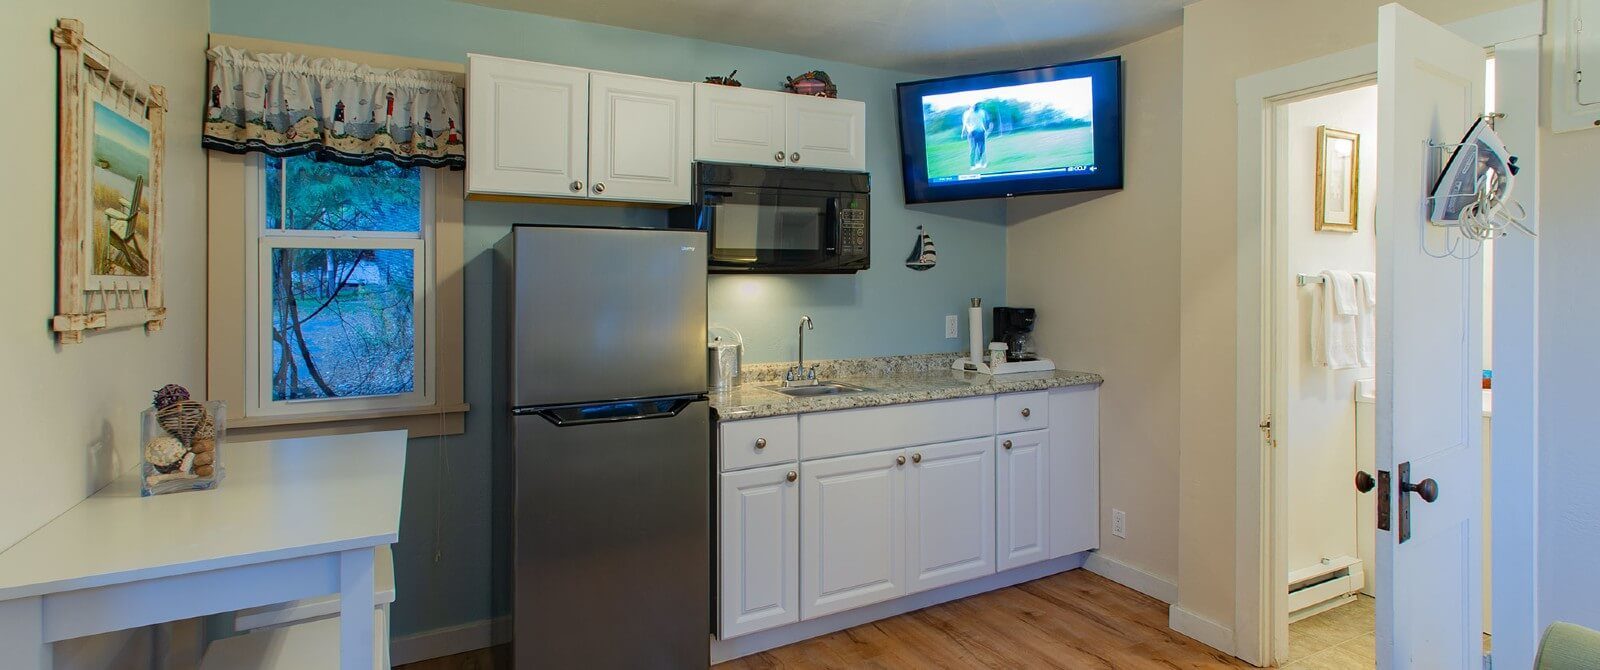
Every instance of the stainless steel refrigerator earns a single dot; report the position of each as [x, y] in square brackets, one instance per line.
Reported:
[611, 446]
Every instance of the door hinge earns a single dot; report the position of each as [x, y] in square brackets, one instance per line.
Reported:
[1266, 431]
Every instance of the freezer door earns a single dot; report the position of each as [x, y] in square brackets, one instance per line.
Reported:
[613, 537]
[607, 313]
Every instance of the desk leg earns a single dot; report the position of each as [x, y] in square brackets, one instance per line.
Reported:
[22, 635]
[355, 609]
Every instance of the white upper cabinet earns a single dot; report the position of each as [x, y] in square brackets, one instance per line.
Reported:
[949, 513]
[739, 125]
[640, 135]
[1023, 498]
[527, 127]
[826, 132]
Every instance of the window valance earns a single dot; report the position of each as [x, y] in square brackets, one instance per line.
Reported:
[288, 105]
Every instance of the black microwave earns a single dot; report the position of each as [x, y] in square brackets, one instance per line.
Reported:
[780, 220]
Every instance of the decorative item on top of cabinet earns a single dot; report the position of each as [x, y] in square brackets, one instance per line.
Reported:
[814, 82]
[181, 438]
[111, 144]
[725, 81]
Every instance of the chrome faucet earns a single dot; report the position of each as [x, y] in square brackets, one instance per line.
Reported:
[800, 375]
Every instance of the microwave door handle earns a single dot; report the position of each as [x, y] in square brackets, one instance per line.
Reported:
[835, 223]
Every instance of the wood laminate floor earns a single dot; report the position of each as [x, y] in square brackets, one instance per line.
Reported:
[1075, 619]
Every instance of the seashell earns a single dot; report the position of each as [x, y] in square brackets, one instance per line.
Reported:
[163, 451]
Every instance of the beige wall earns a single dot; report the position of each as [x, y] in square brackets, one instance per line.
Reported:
[1103, 271]
[1225, 40]
[71, 413]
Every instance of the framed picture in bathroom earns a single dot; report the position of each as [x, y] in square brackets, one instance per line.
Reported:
[1338, 173]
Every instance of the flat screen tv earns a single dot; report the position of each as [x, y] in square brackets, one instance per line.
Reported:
[1001, 134]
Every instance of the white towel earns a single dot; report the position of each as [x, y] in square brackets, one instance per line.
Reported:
[1333, 333]
[1367, 319]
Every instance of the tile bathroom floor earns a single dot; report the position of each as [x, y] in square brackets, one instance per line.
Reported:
[1338, 638]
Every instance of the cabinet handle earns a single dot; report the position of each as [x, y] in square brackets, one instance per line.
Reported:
[761, 443]
[899, 460]
[917, 457]
[794, 157]
[778, 156]
[1026, 413]
[1006, 444]
[577, 186]
[599, 187]
[792, 476]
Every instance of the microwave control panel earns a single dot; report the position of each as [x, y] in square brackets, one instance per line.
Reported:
[853, 230]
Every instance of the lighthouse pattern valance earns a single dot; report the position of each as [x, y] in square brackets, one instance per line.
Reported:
[289, 105]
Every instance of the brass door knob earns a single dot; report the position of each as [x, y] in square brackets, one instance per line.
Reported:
[1026, 413]
[792, 476]
[1006, 444]
[916, 458]
[899, 460]
[1426, 489]
[761, 443]
[1364, 481]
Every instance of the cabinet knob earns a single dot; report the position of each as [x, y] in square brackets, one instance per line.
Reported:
[577, 186]
[761, 443]
[899, 460]
[792, 476]
[599, 187]
[1006, 444]
[794, 157]
[1026, 413]
[778, 156]
[917, 457]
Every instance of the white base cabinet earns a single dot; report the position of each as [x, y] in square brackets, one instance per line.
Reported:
[759, 553]
[828, 512]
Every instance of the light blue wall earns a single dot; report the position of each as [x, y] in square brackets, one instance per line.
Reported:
[455, 511]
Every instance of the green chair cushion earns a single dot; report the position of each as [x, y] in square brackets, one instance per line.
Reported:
[1568, 647]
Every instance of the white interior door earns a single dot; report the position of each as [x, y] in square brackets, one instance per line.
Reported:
[641, 138]
[1430, 591]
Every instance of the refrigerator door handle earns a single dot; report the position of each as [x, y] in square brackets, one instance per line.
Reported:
[566, 416]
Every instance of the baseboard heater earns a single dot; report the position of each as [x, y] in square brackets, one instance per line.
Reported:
[1324, 586]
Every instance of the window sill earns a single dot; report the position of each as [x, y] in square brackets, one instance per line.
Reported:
[429, 421]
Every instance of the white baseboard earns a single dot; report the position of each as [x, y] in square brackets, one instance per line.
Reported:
[450, 640]
[1155, 586]
[1206, 631]
[745, 645]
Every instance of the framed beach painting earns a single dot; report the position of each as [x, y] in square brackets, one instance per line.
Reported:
[1338, 173]
[109, 213]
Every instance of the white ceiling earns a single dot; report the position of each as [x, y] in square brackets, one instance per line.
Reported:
[923, 36]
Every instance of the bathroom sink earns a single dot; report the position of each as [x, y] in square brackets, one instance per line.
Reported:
[818, 389]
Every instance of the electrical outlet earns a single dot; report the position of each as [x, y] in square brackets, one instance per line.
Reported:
[951, 325]
[1119, 523]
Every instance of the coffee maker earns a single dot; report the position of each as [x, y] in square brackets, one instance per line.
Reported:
[1014, 327]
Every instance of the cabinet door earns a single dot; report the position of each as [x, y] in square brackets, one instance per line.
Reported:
[826, 132]
[738, 125]
[641, 138]
[1023, 496]
[852, 532]
[527, 127]
[949, 513]
[759, 550]
[1074, 470]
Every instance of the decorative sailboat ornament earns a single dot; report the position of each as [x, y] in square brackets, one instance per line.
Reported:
[922, 255]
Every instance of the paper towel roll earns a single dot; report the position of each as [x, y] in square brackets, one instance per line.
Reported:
[975, 332]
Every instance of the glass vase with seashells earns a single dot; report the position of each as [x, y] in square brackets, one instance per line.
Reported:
[181, 442]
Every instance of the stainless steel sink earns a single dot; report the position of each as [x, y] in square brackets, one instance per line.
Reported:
[820, 388]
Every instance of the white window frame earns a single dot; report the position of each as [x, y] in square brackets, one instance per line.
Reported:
[259, 244]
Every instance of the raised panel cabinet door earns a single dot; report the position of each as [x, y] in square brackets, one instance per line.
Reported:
[852, 531]
[1074, 470]
[826, 132]
[759, 550]
[1022, 494]
[641, 138]
[949, 513]
[527, 128]
[738, 125]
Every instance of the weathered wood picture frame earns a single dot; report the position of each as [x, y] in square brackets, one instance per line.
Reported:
[110, 155]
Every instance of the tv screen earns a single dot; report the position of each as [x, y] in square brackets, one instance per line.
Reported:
[1041, 130]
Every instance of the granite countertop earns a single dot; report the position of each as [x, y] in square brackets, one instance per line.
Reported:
[889, 380]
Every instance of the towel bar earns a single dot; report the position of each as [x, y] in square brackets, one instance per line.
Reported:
[1304, 279]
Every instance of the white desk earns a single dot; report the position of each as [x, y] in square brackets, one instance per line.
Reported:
[292, 519]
